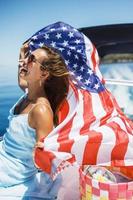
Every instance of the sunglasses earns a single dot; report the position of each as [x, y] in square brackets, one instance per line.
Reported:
[32, 58]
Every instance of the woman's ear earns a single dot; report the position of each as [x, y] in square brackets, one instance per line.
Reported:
[44, 74]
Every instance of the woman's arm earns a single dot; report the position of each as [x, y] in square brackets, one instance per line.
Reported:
[42, 120]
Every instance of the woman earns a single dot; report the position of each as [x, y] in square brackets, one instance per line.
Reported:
[89, 127]
[44, 74]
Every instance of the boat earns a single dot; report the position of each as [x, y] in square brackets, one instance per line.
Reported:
[114, 44]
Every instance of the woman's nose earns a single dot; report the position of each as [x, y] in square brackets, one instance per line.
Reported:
[23, 63]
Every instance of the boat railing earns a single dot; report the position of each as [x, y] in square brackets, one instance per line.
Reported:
[119, 82]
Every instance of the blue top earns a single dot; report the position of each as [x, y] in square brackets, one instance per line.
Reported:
[16, 157]
[19, 178]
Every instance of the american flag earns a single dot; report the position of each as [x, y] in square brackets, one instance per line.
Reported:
[93, 129]
[75, 48]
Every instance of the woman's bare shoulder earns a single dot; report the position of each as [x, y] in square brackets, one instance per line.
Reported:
[42, 107]
[41, 118]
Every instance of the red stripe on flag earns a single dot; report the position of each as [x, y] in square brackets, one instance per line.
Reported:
[65, 143]
[63, 112]
[124, 120]
[106, 101]
[120, 148]
[122, 115]
[92, 147]
[44, 159]
[88, 115]
[93, 58]
[107, 104]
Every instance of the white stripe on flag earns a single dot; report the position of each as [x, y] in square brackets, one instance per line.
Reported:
[98, 73]
[79, 140]
[50, 143]
[97, 106]
[78, 121]
[79, 147]
[72, 101]
[107, 144]
[98, 110]
[88, 51]
[119, 122]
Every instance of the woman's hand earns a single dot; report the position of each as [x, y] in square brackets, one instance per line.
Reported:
[39, 145]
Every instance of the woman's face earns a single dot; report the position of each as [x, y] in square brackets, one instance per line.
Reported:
[33, 63]
[22, 67]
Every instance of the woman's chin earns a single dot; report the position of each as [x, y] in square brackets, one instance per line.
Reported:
[22, 74]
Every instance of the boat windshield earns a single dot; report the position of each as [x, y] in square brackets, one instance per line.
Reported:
[119, 80]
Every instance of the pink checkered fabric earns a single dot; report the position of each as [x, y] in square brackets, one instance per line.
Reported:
[91, 189]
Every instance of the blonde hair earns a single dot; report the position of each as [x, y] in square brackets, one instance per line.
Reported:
[57, 84]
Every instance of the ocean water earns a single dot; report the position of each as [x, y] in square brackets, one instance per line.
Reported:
[8, 96]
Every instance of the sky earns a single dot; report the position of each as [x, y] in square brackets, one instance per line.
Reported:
[19, 19]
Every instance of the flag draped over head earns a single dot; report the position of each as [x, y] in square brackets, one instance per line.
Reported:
[92, 128]
[75, 48]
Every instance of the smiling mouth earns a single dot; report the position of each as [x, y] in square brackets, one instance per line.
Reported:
[23, 72]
